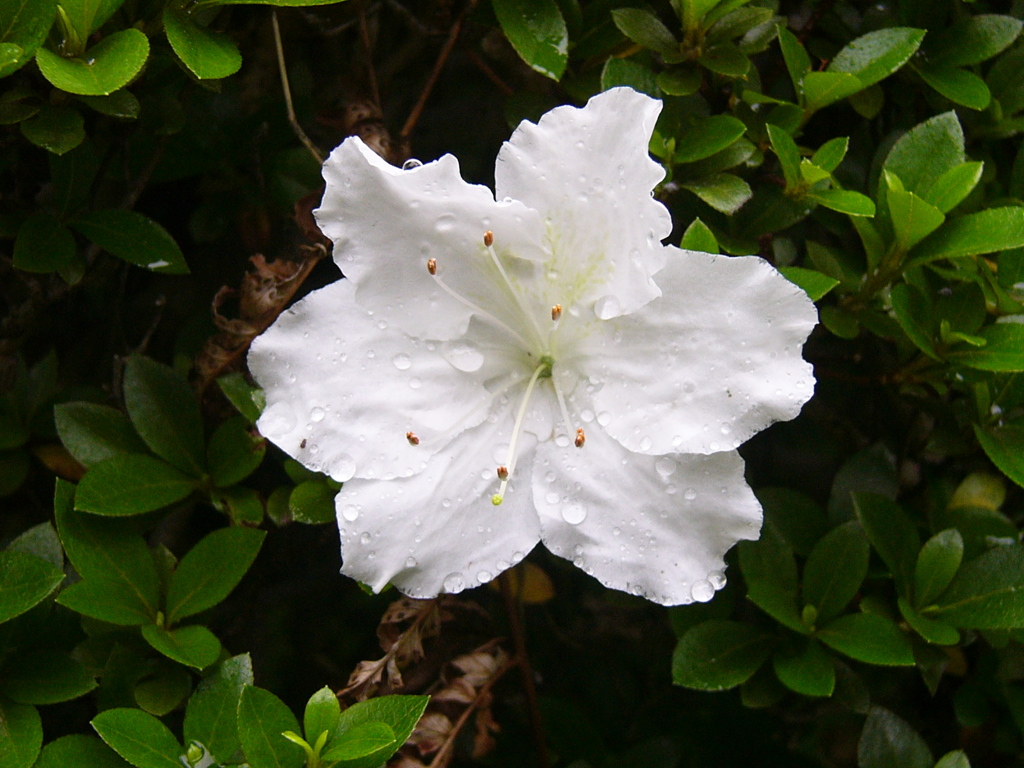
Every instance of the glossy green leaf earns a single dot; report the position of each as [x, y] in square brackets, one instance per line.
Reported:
[211, 716]
[954, 185]
[55, 129]
[107, 66]
[725, 59]
[718, 655]
[926, 152]
[722, 191]
[646, 29]
[878, 54]
[957, 759]
[937, 632]
[210, 570]
[937, 563]
[41, 541]
[844, 200]
[194, 646]
[798, 63]
[893, 535]
[262, 718]
[870, 638]
[322, 714]
[361, 741]
[130, 484]
[1005, 447]
[814, 283]
[707, 136]
[81, 751]
[914, 314]
[246, 398]
[165, 413]
[972, 40]
[133, 237]
[536, 29]
[312, 502]
[787, 152]
[631, 74]
[957, 85]
[888, 741]
[112, 601]
[824, 88]
[44, 677]
[988, 231]
[986, 593]
[698, 237]
[795, 517]
[43, 244]
[830, 154]
[912, 218]
[93, 433]
[138, 737]
[1003, 349]
[679, 81]
[234, 452]
[21, 735]
[399, 713]
[835, 570]
[23, 28]
[770, 573]
[806, 669]
[25, 581]
[163, 687]
[208, 54]
[86, 16]
[120, 103]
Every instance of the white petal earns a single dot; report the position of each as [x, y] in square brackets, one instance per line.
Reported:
[656, 526]
[386, 223]
[589, 174]
[344, 387]
[713, 361]
[438, 531]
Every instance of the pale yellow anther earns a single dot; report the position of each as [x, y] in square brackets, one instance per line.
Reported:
[556, 311]
[411, 437]
[432, 266]
[502, 473]
[488, 238]
[581, 438]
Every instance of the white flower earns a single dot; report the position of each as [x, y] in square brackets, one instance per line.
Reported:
[475, 344]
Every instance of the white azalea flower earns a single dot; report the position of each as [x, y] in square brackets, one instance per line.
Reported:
[491, 374]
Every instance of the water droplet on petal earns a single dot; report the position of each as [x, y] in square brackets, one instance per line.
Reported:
[350, 513]
[445, 222]
[464, 357]
[410, 164]
[604, 418]
[665, 466]
[645, 443]
[454, 583]
[574, 512]
[551, 497]
[278, 419]
[317, 414]
[690, 494]
[702, 591]
[402, 362]
[717, 579]
[365, 537]
[410, 562]
[587, 415]
[344, 467]
[606, 307]
[484, 576]
[415, 383]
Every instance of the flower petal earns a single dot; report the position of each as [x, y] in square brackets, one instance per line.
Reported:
[589, 174]
[387, 222]
[657, 526]
[343, 388]
[438, 530]
[708, 365]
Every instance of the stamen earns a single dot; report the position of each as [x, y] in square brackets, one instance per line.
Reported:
[432, 266]
[517, 431]
[561, 406]
[411, 437]
[556, 311]
[581, 438]
[432, 269]
[488, 243]
[502, 473]
[488, 238]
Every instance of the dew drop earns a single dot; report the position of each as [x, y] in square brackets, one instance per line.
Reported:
[415, 383]
[665, 466]
[726, 429]
[454, 583]
[587, 415]
[278, 419]
[484, 576]
[717, 579]
[606, 307]
[350, 513]
[551, 497]
[464, 357]
[445, 223]
[574, 512]
[317, 414]
[411, 163]
[645, 443]
[402, 361]
[365, 537]
[690, 494]
[604, 418]
[616, 531]
[562, 441]
[702, 591]
[410, 562]
[550, 476]
[344, 467]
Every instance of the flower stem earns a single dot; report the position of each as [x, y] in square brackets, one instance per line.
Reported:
[512, 609]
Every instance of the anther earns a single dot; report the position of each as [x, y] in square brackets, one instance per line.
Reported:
[502, 473]
[432, 266]
[556, 311]
[581, 438]
[411, 437]
[488, 238]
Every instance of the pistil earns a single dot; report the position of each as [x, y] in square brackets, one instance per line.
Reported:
[517, 430]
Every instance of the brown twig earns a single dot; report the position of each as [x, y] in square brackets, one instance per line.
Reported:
[512, 608]
[364, 36]
[442, 59]
[301, 134]
[489, 73]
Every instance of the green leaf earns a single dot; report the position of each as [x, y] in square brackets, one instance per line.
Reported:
[81, 751]
[722, 191]
[134, 238]
[24, 25]
[986, 593]
[194, 646]
[276, 3]
[787, 152]
[44, 244]
[537, 31]
[806, 669]
[44, 677]
[162, 688]
[770, 573]
[399, 713]
[109, 65]
[322, 714]
[130, 484]
[42, 542]
[361, 741]
[680, 81]
[210, 570]
[798, 63]
[937, 563]
[698, 237]
[957, 759]
[988, 231]
[243, 504]
[93, 433]
[1003, 349]
[208, 54]
[725, 59]
[246, 398]
[139, 738]
[972, 40]
[844, 200]
[954, 185]
[121, 104]
[957, 85]
[25, 581]
[888, 741]
[814, 283]
[878, 54]
[1005, 447]
[629, 73]
[835, 570]
[937, 632]
[914, 314]
[165, 413]
[707, 136]
[912, 218]
[111, 601]
[234, 452]
[831, 153]
[86, 16]
[824, 88]
[312, 502]
[211, 716]
[262, 718]
[892, 534]
[646, 29]
[21, 734]
[55, 129]
[717, 655]
[870, 638]
[926, 152]
[796, 517]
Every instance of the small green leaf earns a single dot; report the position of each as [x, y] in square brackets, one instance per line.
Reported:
[23, 28]
[114, 602]
[824, 88]
[208, 54]
[55, 129]
[361, 741]
[120, 103]
[798, 519]
[245, 397]
[210, 570]
[988, 231]
[44, 677]
[262, 718]
[972, 40]
[787, 152]
[798, 63]
[926, 152]
[870, 638]
[163, 687]
[93, 433]
[194, 646]
[914, 314]
[912, 218]
[844, 200]
[322, 714]
[680, 81]
[806, 668]
[234, 452]
[211, 716]
[770, 573]
[629, 73]
[718, 655]
[878, 54]
[830, 154]
[937, 632]
[888, 741]
[707, 136]
[835, 570]
[722, 191]
[536, 29]
[44, 244]
[21, 735]
[139, 738]
[957, 85]
[399, 713]
[954, 185]
[130, 484]
[25, 581]
[698, 237]
[725, 59]
[957, 759]
[1003, 349]
[986, 593]
[892, 534]
[134, 238]
[86, 16]
[814, 283]
[1005, 447]
[646, 29]
[937, 564]
[42, 542]
[165, 413]
[312, 502]
[81, 751]
[109, 65]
